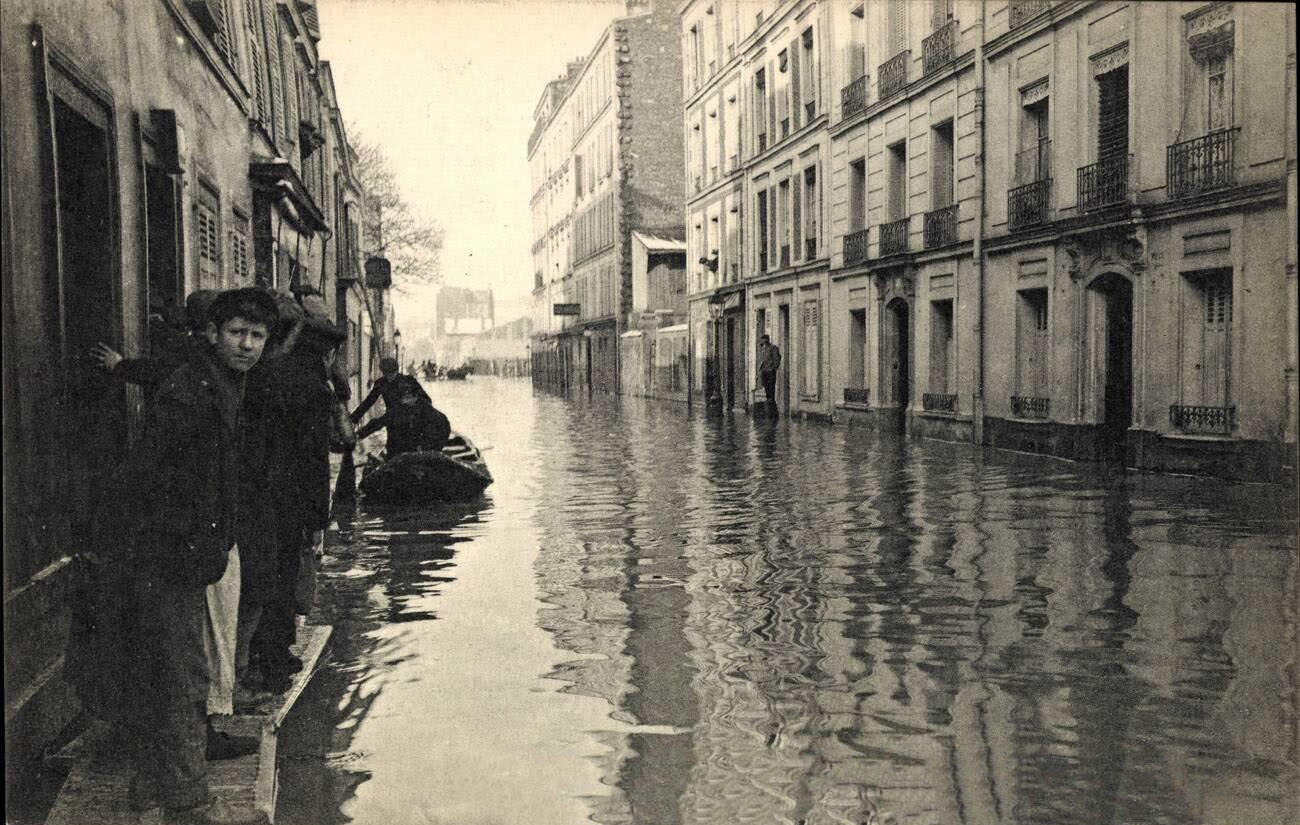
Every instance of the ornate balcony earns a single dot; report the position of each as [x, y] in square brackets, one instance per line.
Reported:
[941, 227]
[1024, 406]
[857, 395]
[1104, 183]
[853, 97]
[893, 237]
[1027, 205]
[1022, 11]
[855, 247]
[1212, 420]
[939, 402]
[892, 74]
[937, 49]
[1202, 164]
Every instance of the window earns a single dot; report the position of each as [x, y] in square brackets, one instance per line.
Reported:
[782, 222]
[896, 157]
[941, 13]
[256, 67]
[896, 27]
[857, 348]
[1032, 344]
[810, 373]
[207, 237]
[762, 231]
[1210, 40]
[760, 111]
[855, 58]
[1207, 339]
[577, 177]
[809, 79]
[811, 209]
[1218, 92]
[240, 263]
[941, 165]
[857, 195]
[1112, 111]
[941, 347]
[783, 94]
[1032, 159]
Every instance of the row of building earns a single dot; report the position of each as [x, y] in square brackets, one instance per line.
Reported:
[1062, 227]
[149, 149]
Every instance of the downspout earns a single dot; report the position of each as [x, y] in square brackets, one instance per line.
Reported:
[977, 248]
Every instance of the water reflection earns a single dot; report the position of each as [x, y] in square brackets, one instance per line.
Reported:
[663, 618]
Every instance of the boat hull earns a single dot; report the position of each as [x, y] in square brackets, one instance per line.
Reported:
[428, 476]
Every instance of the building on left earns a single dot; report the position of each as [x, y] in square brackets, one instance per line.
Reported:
[149, 149]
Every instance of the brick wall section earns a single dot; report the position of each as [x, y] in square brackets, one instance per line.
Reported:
[651, 197]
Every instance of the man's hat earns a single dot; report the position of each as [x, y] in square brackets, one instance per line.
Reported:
[323, 331]
[388, 364]
[249, 296]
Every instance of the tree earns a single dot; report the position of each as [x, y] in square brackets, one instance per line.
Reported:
[393, 228]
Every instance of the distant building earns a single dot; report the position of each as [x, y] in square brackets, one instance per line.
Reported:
[461, 314]
[604, 162]
[502, 351]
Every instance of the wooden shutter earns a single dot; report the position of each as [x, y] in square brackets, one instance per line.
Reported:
[796, 117]
[274, 71]
[256, 63]
[796, 219]
[207, 244]
[1216, 363]
[810, 362]
[1112, 125]
[897, 27]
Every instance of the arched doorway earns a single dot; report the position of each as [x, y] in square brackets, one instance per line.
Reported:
[896, 378]
[1109, 381]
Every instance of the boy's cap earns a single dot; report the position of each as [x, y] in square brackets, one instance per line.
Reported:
[290, 312]
[257, 296]
[197, 305]
[388, 363]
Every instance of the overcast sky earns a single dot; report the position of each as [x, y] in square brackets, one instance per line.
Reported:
[447, 88]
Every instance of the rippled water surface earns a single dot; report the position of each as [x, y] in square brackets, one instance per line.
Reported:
[658, 617]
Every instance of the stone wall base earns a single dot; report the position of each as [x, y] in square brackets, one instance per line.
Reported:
[940, 427]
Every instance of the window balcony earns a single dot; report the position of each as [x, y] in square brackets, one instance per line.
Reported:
[1206, 420]
[853, 97]
[1024, 406]
[1202, 164]
[857, 395]
[855, 247]
[939, 402]
[893, 237]
[1027, 205]
[1020, 12]
[941, 227]
[785, 255]
[1104, 183]
[810, 249]
[892, 74]
[937, 49]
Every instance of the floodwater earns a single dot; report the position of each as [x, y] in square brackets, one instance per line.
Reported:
[659, 617]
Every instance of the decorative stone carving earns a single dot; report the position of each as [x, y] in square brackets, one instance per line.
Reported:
[1110, 59]
[1034, 92]
[1210, 32]
[1070, 260]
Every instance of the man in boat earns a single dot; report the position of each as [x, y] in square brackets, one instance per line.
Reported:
[413, 423]
[300, 472]
[178, 504]
[391, 386]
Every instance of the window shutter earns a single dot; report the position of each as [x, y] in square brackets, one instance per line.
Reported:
[795, 117]
[796, 220]
[256, 64]
[275, 71]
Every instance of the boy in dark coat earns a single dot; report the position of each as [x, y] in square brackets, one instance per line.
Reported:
[182, 486]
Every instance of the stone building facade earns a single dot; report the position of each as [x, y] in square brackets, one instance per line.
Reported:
[149, 149]
[1063, 227]
[602, 166]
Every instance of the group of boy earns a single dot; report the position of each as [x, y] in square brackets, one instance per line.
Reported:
[204, 529]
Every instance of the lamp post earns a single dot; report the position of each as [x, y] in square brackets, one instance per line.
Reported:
[397, 347]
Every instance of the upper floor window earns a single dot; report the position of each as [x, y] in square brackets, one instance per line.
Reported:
[809, 78]
[1210, 40]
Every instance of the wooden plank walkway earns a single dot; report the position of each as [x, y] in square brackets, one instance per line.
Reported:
[95, 792]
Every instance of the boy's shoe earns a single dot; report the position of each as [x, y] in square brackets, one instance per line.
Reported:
[224, 746]
[214, 812]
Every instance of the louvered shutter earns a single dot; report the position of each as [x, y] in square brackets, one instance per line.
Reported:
[223, 37]
[256, 62]
[897, 27]
[796, 220]
[274, 71]
[796, 116]
[810, 363]
[1216, 338]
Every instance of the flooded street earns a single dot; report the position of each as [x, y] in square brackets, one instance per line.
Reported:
[659, 617]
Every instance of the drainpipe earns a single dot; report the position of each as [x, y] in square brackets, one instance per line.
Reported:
[977, 248]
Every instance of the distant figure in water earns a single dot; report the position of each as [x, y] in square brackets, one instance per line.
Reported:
[413, 423]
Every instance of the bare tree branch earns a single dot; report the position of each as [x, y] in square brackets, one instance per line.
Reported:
[411, 242]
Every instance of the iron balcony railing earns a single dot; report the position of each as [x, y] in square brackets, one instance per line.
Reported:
[1104, 183]
[937, 49]
[941, 227]
[1193, 419]
[1022, 11]
[1202, 164]
[853, 97]
[857, 395]
[785, 255]
[892, 74]
[855, 247]
[1025, 406]
[893, 237]
[938, 402]
[1027, 205]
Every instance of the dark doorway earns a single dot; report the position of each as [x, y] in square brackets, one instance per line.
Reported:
[95, 403]
[898, 357]
[729, 399]
[1117, 409]
[783, 385]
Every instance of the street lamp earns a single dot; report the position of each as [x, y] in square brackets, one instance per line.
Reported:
[397, 347]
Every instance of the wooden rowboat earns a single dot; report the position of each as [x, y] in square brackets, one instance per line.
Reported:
[456, 473]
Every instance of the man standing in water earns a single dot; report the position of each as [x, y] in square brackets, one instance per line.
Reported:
[181, 491]
[769, 361]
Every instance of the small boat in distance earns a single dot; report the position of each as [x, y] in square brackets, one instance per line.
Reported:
[455, 473]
